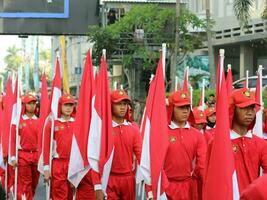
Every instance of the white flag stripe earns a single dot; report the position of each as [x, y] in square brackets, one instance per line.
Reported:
[257, 129]
[235, 187]
[94, 139]
[145, 156]
[106, 171]
[54, 104]
[76, 164]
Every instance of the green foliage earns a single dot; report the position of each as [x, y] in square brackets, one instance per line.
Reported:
[13, 59]
[158, 24]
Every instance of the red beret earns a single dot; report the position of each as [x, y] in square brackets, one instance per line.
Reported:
[27, 98]
[119, 95]
[180, 98]
[66, 98]
[242, 98]
[199, 116]
[210, 111]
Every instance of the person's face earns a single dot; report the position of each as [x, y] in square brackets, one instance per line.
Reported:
[244, 116]
[119, 109]
[181, 113]
[199, 126]
[67, 109]
[30, 107]
[212, 118]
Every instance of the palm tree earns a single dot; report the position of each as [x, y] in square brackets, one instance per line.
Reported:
[13, 59]
[242, 10]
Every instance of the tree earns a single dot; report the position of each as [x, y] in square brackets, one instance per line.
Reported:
[13, 59]
[242, 10]
[137, 37]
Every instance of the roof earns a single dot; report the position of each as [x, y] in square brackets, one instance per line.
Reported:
[139, 1]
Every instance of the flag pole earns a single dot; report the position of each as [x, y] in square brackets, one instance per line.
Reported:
[115, 85]
[229, 66]
[164, 50]
[203, 94]
[247, 74]
[17, 136]
[260, 76]
[176, 83]
[191, 95]
[48, 185]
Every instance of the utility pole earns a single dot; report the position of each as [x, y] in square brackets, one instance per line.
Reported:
[176, 46]
[210, 49]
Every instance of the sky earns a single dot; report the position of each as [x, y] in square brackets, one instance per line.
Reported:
[10, 40]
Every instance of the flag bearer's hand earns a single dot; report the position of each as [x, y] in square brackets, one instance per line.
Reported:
[99, 194]
[14, 163]
[46, 176]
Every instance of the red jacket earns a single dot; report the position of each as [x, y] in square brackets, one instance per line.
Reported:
[28, 135]
[127, 141]
[63, 131]
[250, 153]
[186, 144]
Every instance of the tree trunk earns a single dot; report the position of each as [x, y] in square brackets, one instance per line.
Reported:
[210, 48]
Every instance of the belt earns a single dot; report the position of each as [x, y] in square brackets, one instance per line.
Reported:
[29, 151]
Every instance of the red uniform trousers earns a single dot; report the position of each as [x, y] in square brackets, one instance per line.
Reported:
[85, 189]
[182, 190]
[121, 187]
[60, 186]
[28, 175]
[2, 177]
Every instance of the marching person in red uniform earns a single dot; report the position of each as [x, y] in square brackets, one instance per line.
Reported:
[186, 145]
[128, 145]
[250, 151]
[199, 119]
[28, 174]
[211, 123]
[63, 131]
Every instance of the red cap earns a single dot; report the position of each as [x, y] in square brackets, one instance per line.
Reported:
[242, 98]
[119, 95]
[66, 98]
[210, 111]
[27, 98]
[199, 116]
[180, 98]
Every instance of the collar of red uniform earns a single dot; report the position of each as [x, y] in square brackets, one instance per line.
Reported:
[208, 127]
[265, 136]
[61, 119]
[25, 117]
[174, 126]
[115, 124]
[235, 135]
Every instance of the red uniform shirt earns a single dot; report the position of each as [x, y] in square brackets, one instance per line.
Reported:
[127, 141]
[186, 144]
[28, 135]
[63, 131]
[250, 153]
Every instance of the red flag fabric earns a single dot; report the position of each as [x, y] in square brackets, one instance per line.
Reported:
[220, 179]
[257, 129]
[155, 136]
[52, 110]
[100, 141]
[229, 82]
[44, 110]
[79, 165]
[7, 103]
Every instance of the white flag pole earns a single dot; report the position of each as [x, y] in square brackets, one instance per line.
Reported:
[247, 74]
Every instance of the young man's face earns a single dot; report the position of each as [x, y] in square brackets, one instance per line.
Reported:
[212, 118]
[181, 113]
[199, 126]
[30, 107]
[67, 109]
[244, 116]
[119, 109]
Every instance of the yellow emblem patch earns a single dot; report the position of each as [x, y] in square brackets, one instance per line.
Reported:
[183, 95]
[246, 93]
[201, 115]
[235, 148]
[61, 127]
[172, 139]
[121, 92]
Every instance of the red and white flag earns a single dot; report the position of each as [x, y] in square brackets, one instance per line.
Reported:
[100, 141]
[229, 81]
[2, 164]
[52, 109]
[257, 129]
[220, 181]
[155, 136]
[79, 165]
